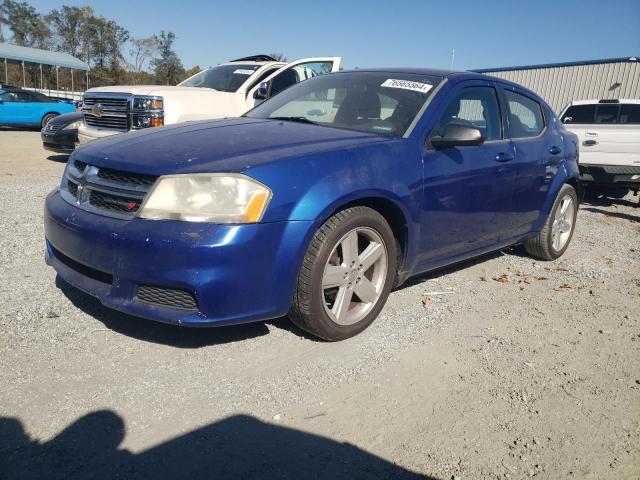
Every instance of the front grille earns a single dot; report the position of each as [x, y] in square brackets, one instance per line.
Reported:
[110, 192]
[107, 121]
[52, 127]
[109, 102]
[79, 165]
[126, 177]
[116, 203]
[72, 187]
[167, 297]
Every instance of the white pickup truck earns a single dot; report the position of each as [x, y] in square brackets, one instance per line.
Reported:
[609, 133]
[227, 90]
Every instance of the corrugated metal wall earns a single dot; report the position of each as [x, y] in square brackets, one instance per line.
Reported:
[560, 85]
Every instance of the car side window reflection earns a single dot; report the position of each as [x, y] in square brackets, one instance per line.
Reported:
[525, 116]
[9, 97]
[475, 107]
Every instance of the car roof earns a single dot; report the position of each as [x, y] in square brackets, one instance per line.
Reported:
[615, 101]
[440, 72]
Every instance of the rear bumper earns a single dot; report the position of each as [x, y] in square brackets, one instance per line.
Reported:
[236, 273]
[617, 175]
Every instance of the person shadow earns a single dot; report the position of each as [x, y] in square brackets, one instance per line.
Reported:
[237, 447]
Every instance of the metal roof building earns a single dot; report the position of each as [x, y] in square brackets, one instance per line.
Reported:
[561, 83]
[22, 55]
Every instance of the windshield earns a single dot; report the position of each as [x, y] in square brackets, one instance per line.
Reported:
[226, 78]
[377, 102]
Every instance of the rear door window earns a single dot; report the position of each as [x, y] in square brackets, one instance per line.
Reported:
[579, 114]
[525, 115]
[607, 114]
[630, 114]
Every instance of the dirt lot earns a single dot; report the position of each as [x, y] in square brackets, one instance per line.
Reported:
[501, 368]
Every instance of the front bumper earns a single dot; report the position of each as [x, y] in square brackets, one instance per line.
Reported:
[614, 175]
[237, 273]
[60, 142]
[88, 134]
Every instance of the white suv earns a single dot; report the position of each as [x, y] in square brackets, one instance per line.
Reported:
[609, 133]
[227, 90]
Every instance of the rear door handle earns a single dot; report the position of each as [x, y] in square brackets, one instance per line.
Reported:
[503, 157]
[555, 150]
[589, 143]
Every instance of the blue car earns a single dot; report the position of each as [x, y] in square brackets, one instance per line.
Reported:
[22, 108]
[316, 203]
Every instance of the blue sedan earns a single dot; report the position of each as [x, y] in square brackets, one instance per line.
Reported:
[22, 108]
[317, 202]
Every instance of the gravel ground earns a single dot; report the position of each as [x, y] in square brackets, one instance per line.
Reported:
[504, 367]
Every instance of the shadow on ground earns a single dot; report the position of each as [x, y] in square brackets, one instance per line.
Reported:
[166, 334]
[238, 447]
[58, 158]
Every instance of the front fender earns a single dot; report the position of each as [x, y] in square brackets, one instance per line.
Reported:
[314, 187]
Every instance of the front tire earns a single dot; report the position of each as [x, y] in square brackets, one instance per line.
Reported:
[47, 118]
[554, 238]
[346, 275]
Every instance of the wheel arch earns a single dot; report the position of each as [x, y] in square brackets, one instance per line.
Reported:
[396, 216]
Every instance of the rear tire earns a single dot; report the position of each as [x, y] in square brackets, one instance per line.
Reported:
[47, 118]
[554, 238]
[346, 275]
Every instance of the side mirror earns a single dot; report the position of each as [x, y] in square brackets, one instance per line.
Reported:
[457, 135]
[262, 93]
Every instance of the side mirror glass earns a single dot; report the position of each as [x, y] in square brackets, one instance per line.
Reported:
[262, 93]
[457, 135]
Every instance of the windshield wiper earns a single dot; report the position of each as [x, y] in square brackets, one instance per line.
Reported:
[294, 119]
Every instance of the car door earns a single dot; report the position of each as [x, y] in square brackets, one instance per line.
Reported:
[610, 136]
[537, 144]
[292, 73]
[15, 108]
[467, 190]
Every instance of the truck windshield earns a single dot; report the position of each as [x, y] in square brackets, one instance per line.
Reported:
[384, 103]
[226, 78]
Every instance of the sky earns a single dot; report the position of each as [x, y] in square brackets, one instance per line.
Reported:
[391, 33]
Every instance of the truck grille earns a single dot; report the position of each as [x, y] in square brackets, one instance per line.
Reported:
[107, 121]
[110, 102]
[106, 191]
[107, 111]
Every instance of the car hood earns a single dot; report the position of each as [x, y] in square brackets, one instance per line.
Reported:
[231, 145]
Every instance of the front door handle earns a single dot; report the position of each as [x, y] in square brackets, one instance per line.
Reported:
[589, 143]
[503, 157]
[555, 150]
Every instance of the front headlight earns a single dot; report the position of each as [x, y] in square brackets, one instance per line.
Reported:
[207, 197]
[148, 103]
[72, 125]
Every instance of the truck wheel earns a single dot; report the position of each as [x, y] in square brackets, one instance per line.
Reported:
[554, 238]
[47, 118]
[346, 275]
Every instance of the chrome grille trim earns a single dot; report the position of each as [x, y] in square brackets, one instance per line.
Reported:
[115, 111]
[122, 190]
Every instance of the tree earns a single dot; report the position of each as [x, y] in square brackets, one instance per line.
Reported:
[68, 24]
[278, 56]
[167, 66]
[141, 51]
[28, 27]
